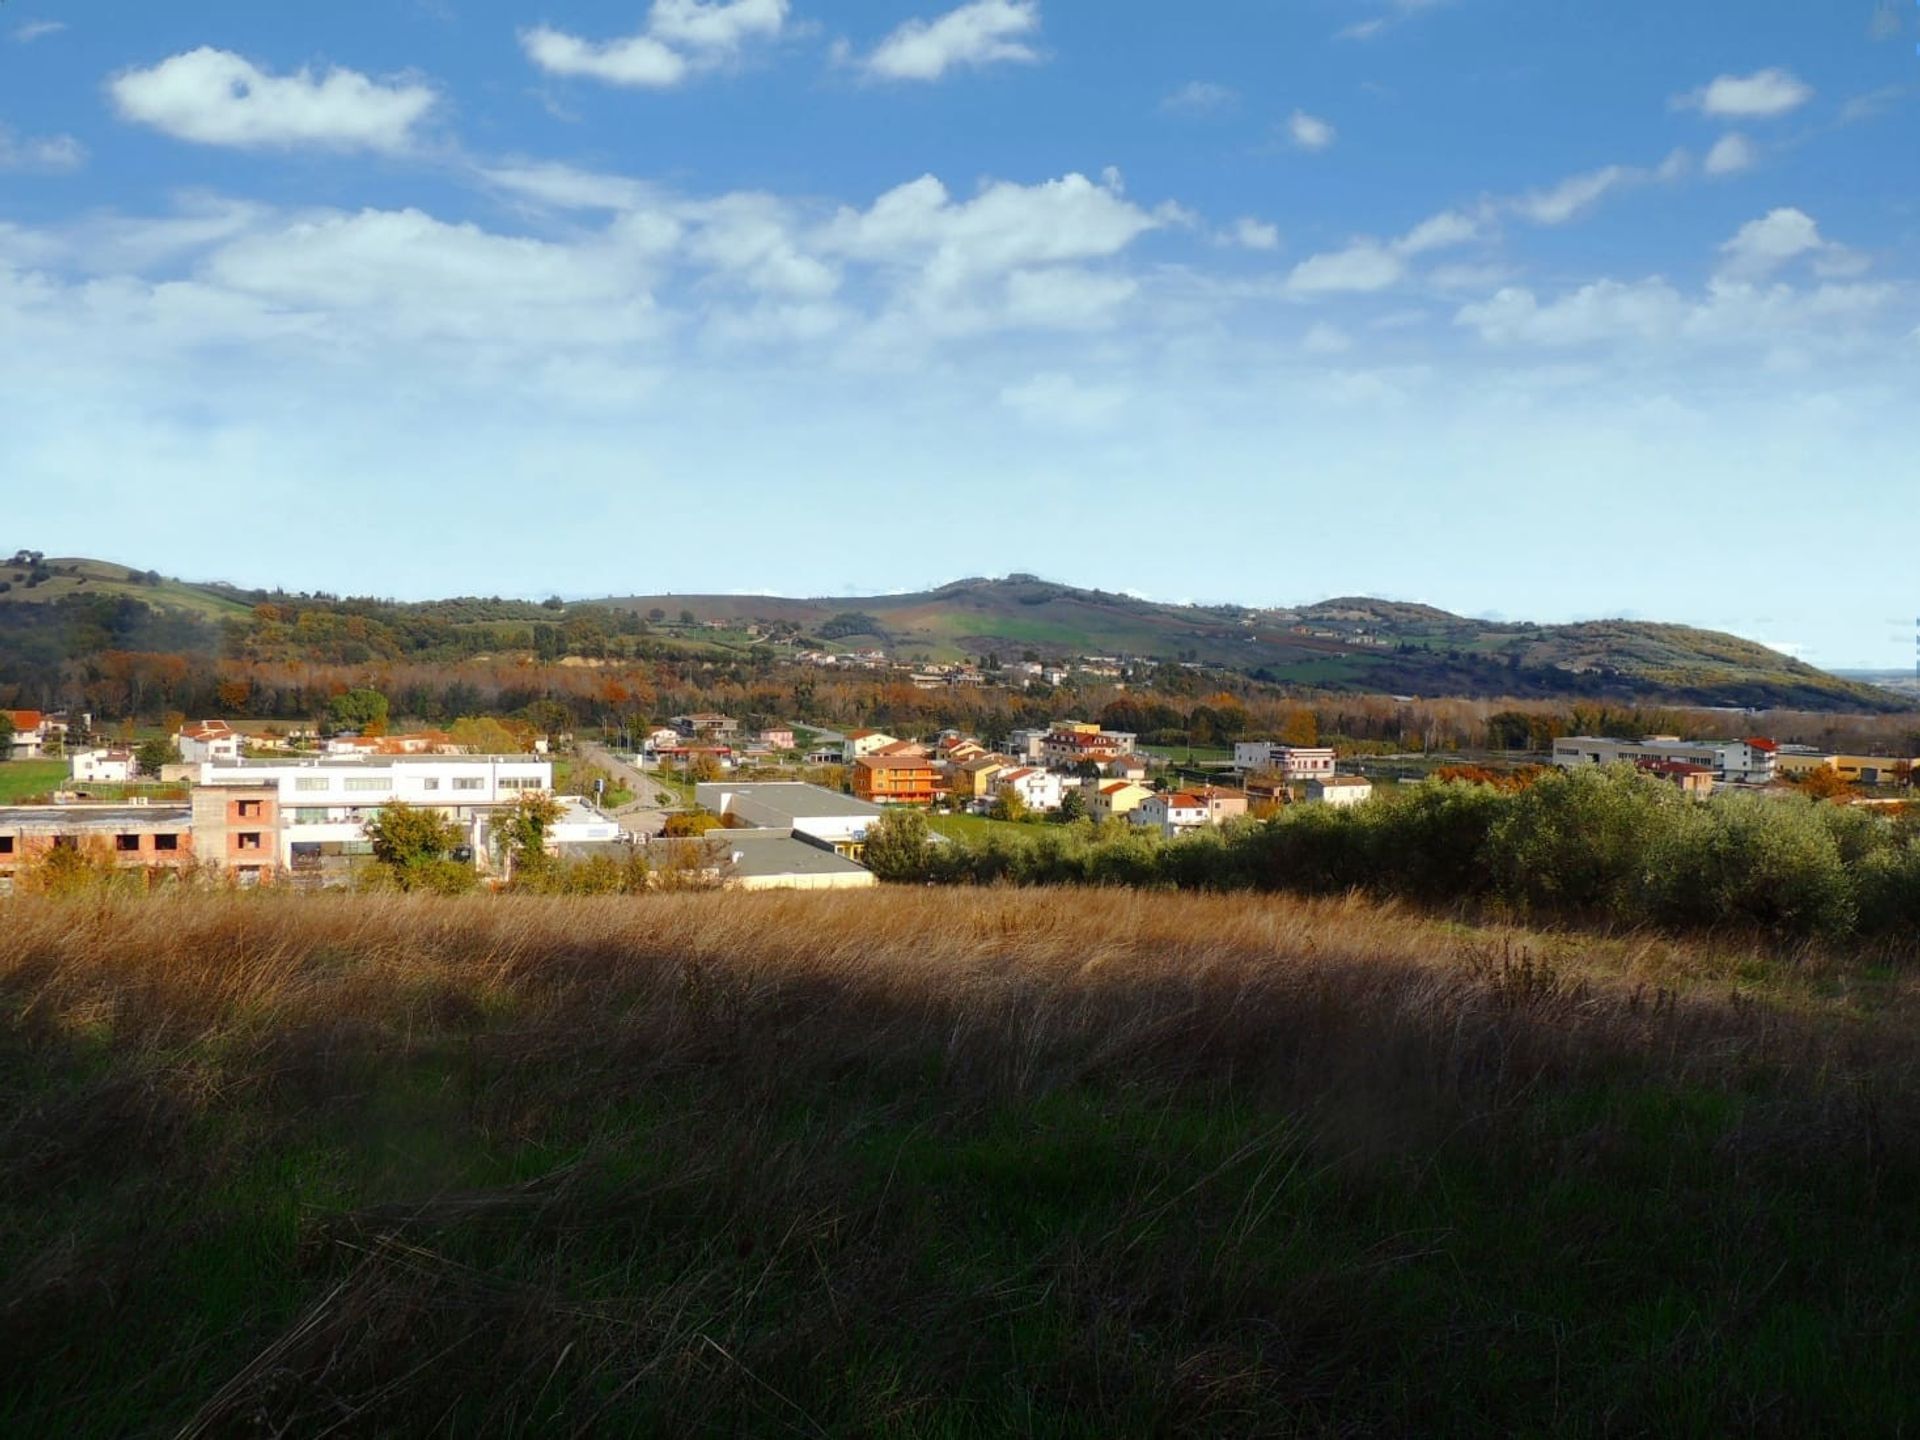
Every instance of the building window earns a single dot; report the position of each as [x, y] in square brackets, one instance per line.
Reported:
[248, 840]
[6, 844]
[520, 782]
[166, 842]
[311, 782]
[309, 816]
[369, 782]
[250, 809]
[432, 782]
[126, 843]
[465, 783]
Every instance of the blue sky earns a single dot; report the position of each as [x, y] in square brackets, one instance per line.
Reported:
[1538, 310]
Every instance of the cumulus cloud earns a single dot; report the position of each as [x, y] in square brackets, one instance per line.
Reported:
[1762, 95]
[983, 32]
[1251, 234]
[1309, 132]
[1731, 153]
[1777, 238]
[1004, 227]
[682, 38]
[1654, 312]
[1363, 267]
[1199, 97]
[44, 154]
[1324, 339]
[1439, 232]
[214, 97]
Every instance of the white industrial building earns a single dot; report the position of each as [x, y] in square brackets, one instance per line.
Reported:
[324, 804]
[1293, 762]
[1733, 762]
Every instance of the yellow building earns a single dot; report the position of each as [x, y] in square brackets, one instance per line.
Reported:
[1109, 798]
[972, 779]
[1860, 769]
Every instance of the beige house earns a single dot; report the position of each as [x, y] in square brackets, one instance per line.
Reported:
[1108, 799]
[1340, 789]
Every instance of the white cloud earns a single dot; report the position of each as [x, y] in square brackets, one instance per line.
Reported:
[31, 30]
[1361, 268]
[983, 32]
[1199, 97]
[1572, 196]
[562, 187]
[1053, 398]
[1252, 234]
[681, 38]
[1731, 154]
[1438, 232]
[48, 154]
[1762, 246]
[214, 97]
[1762, 95]
[1776, 318]
[1377, 26]
[1005, 227]
[1309, 132]
[637, 60]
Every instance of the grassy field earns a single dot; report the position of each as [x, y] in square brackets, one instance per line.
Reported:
[975, 827]
[27, 779]
[912, 1163]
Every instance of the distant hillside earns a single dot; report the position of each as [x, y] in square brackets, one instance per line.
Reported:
[32, 579]
[1350, 643]
[57, 609]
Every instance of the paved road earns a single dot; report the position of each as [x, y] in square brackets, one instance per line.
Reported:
[646, 815]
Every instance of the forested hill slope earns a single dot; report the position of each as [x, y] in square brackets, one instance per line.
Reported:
[57, 611]
[1351, 643]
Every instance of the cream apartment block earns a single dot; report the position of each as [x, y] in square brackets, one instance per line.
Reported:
[1733, 762]
[323, 805]
[1294, 762]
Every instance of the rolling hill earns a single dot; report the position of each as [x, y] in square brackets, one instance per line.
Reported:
[1346, 644]
[1350, 643]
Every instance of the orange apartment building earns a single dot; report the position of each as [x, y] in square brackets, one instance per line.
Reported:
[158, 838]
[895, 779]
[237, 830]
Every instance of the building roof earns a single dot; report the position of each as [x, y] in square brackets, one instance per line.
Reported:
[92, 817]
[760, 854]
[895, 762]
[791, 798]
[26, 719]
[207, 730]
[1340, 780]
[1764, 745]
[865, 734]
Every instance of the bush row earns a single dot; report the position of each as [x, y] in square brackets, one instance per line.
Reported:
[1611, 845]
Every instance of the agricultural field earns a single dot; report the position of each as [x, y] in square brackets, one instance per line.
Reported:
[30, 779]
[939, 1163]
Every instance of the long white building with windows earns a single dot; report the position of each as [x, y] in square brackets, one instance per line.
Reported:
[324, 804]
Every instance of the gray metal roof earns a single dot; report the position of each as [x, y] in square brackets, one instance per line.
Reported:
[760, 853]
[92, 817]
[766, 801]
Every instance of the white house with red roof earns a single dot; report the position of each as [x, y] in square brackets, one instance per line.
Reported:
[29, 733]
[1041, 790]
[1172, 813]
[205, 741]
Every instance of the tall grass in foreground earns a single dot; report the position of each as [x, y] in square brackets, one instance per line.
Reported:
[919, 1162]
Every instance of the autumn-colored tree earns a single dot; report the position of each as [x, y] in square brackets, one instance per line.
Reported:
[1301, 727]
[1825, 783]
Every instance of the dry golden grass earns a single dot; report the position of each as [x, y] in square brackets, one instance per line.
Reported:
[834, 1137]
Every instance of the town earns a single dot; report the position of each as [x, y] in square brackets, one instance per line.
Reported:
[786, 806]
